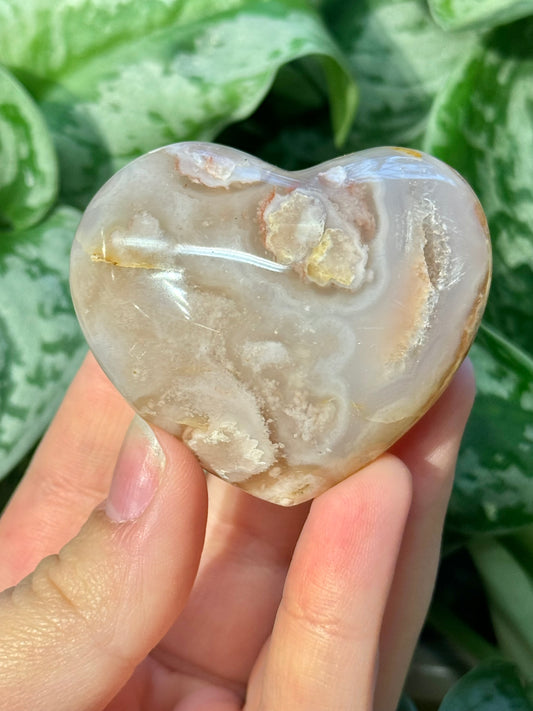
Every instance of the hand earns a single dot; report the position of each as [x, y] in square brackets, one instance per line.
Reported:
[316, 607]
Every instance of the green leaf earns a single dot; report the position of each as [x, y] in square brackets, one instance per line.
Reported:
[460, 634]
[406, 704]
[400, 60]
[512, 642]
[41, 345]
[494, 484]
[28, 166]
[509, 587]
[481, 14]
[185, 80]
[44, 36]
[481, 125]
[495, 686]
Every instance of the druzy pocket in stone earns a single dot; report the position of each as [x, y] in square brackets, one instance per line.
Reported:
[288, 327]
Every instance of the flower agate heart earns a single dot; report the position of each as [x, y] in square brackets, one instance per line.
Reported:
[288, 327]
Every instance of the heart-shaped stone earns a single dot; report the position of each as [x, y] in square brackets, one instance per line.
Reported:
[288, 327]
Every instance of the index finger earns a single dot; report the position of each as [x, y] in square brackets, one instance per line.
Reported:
[68, 475]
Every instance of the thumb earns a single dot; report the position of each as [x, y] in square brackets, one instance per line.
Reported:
[72, 632]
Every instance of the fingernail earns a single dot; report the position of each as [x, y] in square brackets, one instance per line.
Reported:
[136, 477]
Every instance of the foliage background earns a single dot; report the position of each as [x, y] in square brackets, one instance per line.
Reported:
[87, 85]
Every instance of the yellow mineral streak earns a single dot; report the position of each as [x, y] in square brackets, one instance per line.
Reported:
[409, 152]
[119, 261]
[294, 224]
[336, 258]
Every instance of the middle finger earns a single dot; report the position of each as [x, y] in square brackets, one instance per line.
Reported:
[249, 544]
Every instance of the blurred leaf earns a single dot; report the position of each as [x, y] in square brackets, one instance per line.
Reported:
[481, 14]
[460, 594]
[406, 704]
[40, 343]
[400, 60]
[28, 166]
[509, 587]
[494, 484]
[520, 545]
[494, 686]
[186, 80]
[44, 36]
[278, 134]
[482, 125]
[512, 641]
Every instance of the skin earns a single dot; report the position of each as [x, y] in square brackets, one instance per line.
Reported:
[208, 599]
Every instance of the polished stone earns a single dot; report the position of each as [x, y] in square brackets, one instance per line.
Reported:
[288, 327]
